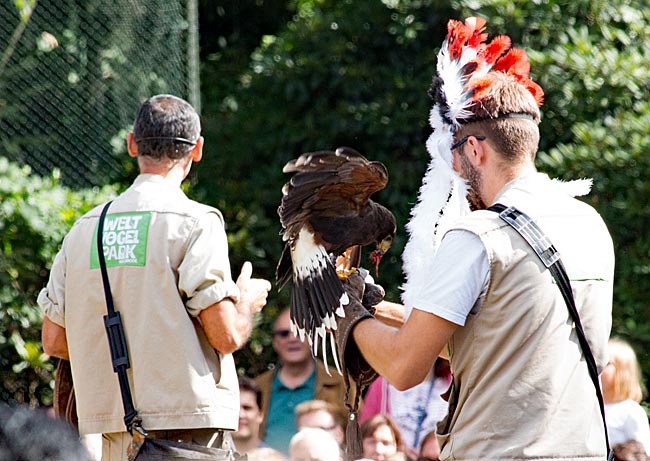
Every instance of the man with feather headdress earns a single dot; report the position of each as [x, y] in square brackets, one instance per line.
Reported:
[475, 288]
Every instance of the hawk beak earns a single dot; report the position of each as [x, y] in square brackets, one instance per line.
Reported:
[384, 245]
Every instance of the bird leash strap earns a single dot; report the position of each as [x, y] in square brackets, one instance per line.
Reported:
[119, 351]
[550, 257]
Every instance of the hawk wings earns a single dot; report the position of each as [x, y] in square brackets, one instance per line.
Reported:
[326, 210]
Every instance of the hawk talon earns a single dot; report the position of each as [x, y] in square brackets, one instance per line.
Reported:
[345, 273]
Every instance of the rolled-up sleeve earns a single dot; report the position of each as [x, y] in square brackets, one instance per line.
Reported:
[51, 299]
[204, 274]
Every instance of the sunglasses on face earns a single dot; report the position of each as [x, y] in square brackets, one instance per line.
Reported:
[282, 333]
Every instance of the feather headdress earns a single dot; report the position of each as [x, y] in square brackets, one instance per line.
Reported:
[466, 69]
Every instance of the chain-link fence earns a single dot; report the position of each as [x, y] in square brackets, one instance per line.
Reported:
[73, 73]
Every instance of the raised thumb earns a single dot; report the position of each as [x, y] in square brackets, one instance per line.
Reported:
[246, 271]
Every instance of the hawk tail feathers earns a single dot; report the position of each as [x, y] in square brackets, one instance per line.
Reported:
[317, 296]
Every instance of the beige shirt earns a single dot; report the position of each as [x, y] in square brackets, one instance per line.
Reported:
[167, 259]
[522, 390]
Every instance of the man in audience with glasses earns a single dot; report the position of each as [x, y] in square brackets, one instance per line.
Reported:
[296, 378]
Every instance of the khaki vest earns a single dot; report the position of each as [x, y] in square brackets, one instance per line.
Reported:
[177, 379]
[521, 385]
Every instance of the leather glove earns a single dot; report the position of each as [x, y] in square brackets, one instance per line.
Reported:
[373, 293]
[362, 296]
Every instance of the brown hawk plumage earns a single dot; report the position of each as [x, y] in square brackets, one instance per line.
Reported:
[326, 212]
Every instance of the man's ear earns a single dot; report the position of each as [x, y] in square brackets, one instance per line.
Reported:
[197, 152]
[131, 146]
[476, 152]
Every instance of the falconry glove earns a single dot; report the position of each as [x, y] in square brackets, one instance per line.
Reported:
[362, 296]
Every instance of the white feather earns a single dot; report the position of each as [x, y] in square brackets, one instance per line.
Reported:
[308, 257]
[442, 198]
[427, 225]
[336, 359]
[575, 188]
[327, 368]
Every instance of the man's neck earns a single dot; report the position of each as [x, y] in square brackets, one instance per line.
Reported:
[173, 171]
[499, 177]
[293, 375]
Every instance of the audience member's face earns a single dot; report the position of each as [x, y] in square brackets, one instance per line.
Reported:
[289, 348]
[321, 419]
[250, 416]
[380, 445]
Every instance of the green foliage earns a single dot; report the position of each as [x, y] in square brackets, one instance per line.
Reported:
[356, 73]
[341, 73]
[35, 214]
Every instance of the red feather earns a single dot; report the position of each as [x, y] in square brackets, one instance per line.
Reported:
[476, 23]
[496, 48]
[480, 86]
[514, 62]
[535, 90]
[457, 36]
[497, 54]
[475, 27]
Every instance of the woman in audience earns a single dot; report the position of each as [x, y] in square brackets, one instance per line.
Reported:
[382, 440]
[622, 392]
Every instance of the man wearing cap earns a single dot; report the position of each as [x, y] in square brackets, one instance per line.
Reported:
[521, 388]
[169, 274]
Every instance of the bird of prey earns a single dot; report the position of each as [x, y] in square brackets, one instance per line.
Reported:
[326, 212]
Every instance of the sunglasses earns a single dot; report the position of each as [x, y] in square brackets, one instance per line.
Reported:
[282, 333]
[464, 140]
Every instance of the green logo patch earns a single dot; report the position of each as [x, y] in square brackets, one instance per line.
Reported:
[124, 240]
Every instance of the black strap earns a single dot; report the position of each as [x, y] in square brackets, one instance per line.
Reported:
[116, 337]
[550, 257]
